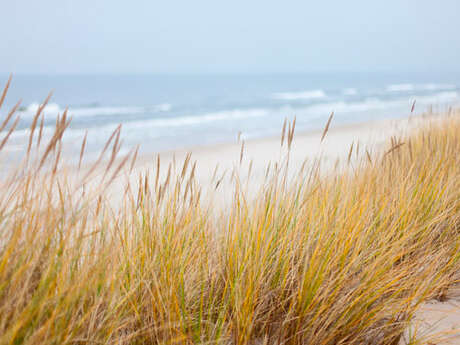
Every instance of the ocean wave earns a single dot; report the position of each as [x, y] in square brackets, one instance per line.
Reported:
[370, 104]
[350, 91]
[347, 107]
[433, 87]
[304, 113]
[50, 108]
[152, 123]
[198, 119]
[302, 95]
[105, 111]
[47, 131]
[448, 96]
[163, 107]
[53, 109]
[419, 87]
[400, 87]
[74, 135]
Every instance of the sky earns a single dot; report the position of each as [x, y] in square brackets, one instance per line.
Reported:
[238, 36]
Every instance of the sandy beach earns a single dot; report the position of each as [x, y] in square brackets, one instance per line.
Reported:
[251, 158]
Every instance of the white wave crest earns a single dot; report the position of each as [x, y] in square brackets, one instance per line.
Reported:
[346, 107]
[420, 87]
[371, 104]
[157, 127]
[105, 111]
[50, 109]
[162, 107]
[442, 97]
[198, 119]
[53, 109]
[434, 87]
[159, 122]
[302, 95]
[350, 92]
[400, 87]
[142, 125]
[47, 131]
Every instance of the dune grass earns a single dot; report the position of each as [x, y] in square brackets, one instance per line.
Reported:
[344, 257]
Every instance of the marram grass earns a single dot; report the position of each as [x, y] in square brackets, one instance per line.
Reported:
[345, 257]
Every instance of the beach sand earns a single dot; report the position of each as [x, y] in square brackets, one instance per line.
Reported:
[256, 155]
[437, 323]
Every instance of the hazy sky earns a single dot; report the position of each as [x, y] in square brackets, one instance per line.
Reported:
[237, 36]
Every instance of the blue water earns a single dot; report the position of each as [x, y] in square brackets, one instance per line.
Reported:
[171, 112]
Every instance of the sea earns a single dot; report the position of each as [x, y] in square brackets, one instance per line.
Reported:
[169, 112]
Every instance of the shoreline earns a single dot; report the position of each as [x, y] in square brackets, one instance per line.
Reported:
[341, 127]
[306, 145]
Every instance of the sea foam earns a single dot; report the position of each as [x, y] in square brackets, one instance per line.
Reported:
[54, 109]
[419, 87]
[350, 91]
[400, 87]
[199, 119]
[302, 95]
[50, 108]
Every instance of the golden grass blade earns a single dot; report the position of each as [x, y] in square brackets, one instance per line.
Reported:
[35, 120]
[368, 156]
[395, 147]
[291, 131]
[133, 161]
[9, 116]
[5, 90]
[40, 132]
[326, 129]
[101, 155]
[413, 106]
[82, 149]
[61, 125]
[186, 162]
[283, 131]
[350, 152]
[10, 131]
[115, 149]
[157, 172]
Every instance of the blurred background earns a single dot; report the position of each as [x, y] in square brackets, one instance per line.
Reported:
[182, 74]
